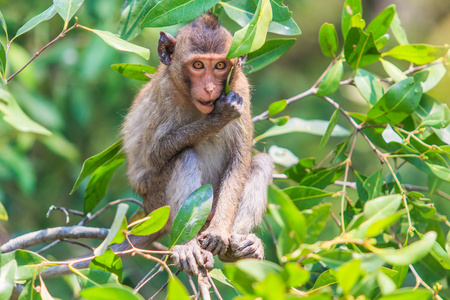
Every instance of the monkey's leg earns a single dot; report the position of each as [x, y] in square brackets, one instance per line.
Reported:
[243, 243]
[186, 178]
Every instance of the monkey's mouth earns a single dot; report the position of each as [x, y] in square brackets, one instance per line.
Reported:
[206, 103]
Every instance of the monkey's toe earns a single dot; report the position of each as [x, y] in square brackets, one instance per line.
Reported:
[191, 258]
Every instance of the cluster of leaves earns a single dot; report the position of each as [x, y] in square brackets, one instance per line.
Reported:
[387, 230]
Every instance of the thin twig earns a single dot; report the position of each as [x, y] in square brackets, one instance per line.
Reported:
[148, 277]
[211, 282]
[191, 283]
[204, 285]
[163, 287]
[110, 204]
[66, 211]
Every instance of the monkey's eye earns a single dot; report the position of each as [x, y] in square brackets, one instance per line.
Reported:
[221, 65]
[198, 65]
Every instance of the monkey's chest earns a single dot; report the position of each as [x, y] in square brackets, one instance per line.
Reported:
[215, 155]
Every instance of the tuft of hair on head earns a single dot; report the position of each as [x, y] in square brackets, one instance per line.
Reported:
[208, 21]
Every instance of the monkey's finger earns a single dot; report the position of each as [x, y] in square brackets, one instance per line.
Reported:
[182, 261]
[246, 243]
[209, 260]
[175, 258]
[206, 243]
[198, 256]
[245, 251]
[191, 264]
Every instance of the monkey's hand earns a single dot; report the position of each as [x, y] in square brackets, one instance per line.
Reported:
[214, 240]
[229, 106]
[243, 246]
[190, 257]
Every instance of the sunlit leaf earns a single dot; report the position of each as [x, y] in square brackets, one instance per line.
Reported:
[386, 284]
[330, 82]
[389, 135]
[277, 107]
[398, 102]
[121, 212]
[436, 73]
[399, 32]
[282, 156]
[333, 122]
[380, 25]
[325, 279]
[368, 86]
[169, 12]
[95, 277]
[119, 44]
[176, 290]
[192, 215]
[94, 162]
[288, 27]
[132, 15]
[409, 254]
[134, 71]
[154, 222]
[292, 216]
[328, 39]
[305, 197]
[109, 262]
[420, 54]
[360, 49]
[279, 121]
[316, 218]
[440, 171]
[253, 35]
[379, 226]
[14, 115]
[393, 71]
[7, 272]
[99, 181]
[267, 54]
[433, 113]
[294, 275]
[67, 8]
[27, 263]
[33, 22]
[351, 8]
[110, 292]
[348, 275]
[2, 61]
[315, 127]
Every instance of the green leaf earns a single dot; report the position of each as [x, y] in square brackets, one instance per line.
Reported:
[154, 222]
[121, 212]
[433, 113]
[272, 287]
[94, 162]
[109, 262]
[292, 216]
[134, 71]
[409, 254]
[328, 39]
[316, 127]
[192, 215]
[397, 103]
[277, 107]
[176, 290]
[218, 275]
[294, 275]
[386, 284]
[439, 254]
[253, 35]
[117, 43]
[132, 15]
[3, 23]
[33, 22]
[280, 11]
[27, 263]
[3, 213]
[389, 135]
[417, 294]
[368, 86]
[267, 54]
[99, 181]
[170, 12]
[327, 278]
[94, 277]
[351, 8]
[398, 31]
[399, 278]
[419, 54]
[243, 274]
[306, 197]
[316, 219]
[110, 292]
[288, 27]
[333, 122]
[382, 41]
[379, 226]
[440, 171]
[380, 25]
[436, 73]
[374, 183]
[331, 80]
[279, 121]
[360, 49]
[7, 272]
[67, 8]
[393, 71]
[348, 275]
[14, 115]
[120, 235]
[2, 61]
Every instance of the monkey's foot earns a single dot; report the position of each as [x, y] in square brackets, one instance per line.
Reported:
[243, 246]
[214, 240]
[190, 257]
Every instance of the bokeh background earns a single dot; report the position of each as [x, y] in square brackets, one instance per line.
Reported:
[72, 90]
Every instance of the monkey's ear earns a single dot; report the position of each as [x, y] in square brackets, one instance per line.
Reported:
[241, 60]
[166, 47]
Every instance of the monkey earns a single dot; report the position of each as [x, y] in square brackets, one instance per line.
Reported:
[182, 132]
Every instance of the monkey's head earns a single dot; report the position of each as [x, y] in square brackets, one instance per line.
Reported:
[197, 58]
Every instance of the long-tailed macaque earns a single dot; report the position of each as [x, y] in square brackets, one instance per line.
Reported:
[182, 132]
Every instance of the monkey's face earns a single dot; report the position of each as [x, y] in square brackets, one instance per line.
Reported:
[207, 74]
